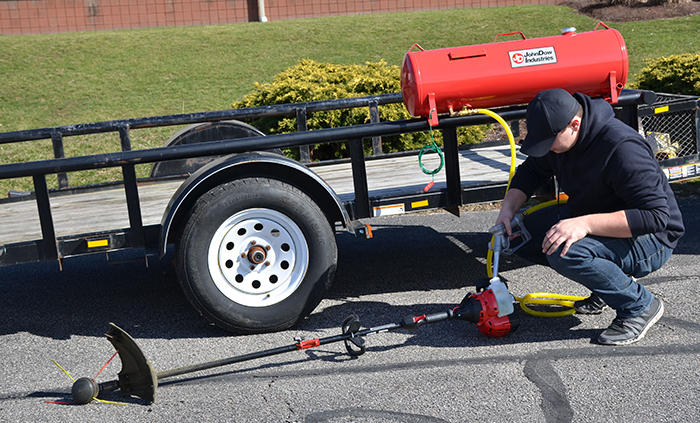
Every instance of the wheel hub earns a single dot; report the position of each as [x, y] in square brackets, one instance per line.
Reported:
[257, 254]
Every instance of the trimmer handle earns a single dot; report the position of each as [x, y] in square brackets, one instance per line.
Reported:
[414, 322]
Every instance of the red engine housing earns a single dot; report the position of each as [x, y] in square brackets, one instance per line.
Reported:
[489, 323]
[513, 72]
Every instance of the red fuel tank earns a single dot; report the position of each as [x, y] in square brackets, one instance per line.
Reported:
[513, 72]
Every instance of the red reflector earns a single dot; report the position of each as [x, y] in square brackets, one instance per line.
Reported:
[308, 344]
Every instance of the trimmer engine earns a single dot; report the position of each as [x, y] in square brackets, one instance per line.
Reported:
[482, 308]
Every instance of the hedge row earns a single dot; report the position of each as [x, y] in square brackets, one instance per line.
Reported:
[311, 81]
[676, 74]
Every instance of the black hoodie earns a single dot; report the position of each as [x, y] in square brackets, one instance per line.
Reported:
[610, 168]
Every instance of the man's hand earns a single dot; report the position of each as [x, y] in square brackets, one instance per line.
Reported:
[568, 231]
[511, 204]
[565, 232]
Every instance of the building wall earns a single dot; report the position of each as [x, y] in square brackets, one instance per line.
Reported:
[52, 16]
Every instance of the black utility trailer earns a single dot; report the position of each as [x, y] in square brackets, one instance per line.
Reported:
[254, 231]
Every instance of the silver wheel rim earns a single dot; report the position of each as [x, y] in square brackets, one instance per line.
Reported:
[258, 257]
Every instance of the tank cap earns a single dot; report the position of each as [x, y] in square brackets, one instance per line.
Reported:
[569, 31]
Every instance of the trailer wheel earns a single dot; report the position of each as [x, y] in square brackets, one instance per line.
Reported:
[256, 255]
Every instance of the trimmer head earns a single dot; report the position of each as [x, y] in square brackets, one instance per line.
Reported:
[84, 390]
[136, 378]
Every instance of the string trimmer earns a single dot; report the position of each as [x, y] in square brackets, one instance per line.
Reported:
[491, 310]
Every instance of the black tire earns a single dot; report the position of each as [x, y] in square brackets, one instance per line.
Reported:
[256, 255]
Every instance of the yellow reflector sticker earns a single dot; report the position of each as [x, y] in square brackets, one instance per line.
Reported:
[98, 243]
[661, 109]
[389, 210]
[418, 204]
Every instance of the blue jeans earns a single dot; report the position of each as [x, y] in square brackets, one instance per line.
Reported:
[606, 266]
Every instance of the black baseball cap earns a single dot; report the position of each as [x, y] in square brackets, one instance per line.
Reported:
[547, 115]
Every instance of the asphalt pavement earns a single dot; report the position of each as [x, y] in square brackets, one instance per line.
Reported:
[549, 370]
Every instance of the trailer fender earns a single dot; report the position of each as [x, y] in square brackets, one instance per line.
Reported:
[266, 164]
[201, 133]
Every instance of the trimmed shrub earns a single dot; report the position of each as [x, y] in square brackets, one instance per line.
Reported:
[312, 81]
[676, 74]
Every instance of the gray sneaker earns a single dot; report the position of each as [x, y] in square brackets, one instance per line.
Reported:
[591, 305]
[626, 331]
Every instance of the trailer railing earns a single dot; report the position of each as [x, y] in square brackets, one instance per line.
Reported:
[127, 158]
[57, 134]
[451, 197]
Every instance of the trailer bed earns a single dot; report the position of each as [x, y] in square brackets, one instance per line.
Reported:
[103, 210]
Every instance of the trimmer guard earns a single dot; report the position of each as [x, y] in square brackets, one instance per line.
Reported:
[137, 376]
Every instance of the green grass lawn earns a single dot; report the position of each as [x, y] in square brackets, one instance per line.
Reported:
[61, 79]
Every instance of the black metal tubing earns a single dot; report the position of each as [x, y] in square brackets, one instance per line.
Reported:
[58, 153]
[374, 118]
[370, 130]
[48, 232]
[408, 323]
[359, 180]
[303, 126]
[239, 145]
[697, 127]
[26, 252]
[680, 161]
[670, 107]
[133, 205]
[483, 194]
[435, 200]
[453, 178]
[439, 199]
[132, 192]
[33, 251]
[190, 118]
[628, 115]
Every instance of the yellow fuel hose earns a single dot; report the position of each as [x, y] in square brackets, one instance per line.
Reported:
[539, 298]
[511, 139]
[548, 298]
